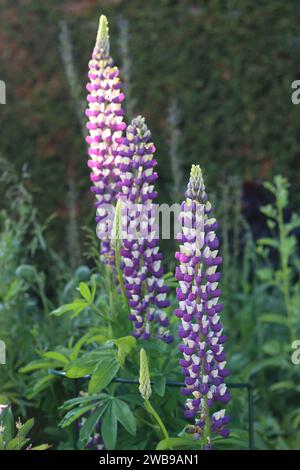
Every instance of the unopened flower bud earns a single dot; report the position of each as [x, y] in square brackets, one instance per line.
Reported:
[116, 236]
[19, 425]
[145, 384]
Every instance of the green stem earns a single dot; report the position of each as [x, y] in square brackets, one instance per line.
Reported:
[96, 310]
[110, 301]
[110, 293]
[285, 269]
[207, 427]
[19, 439]
[153, 413]
[40, 290]
[120, 277]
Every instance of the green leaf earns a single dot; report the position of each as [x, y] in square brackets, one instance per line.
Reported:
[85, 292]
[272, 347]
[26, 428]
[74, 414]
[20, 440]
[293, 224]
[14, 444]
[90, 424]
[268, 242]
[272, 362]
[78, 345]
[236, 440]
[265, 274]
[80, 400]
[269, 211]
[269, 186]
[7, 420]
[36, 365]
[76, 307]
[97, 338]
[132, 399]
[160, 385]
[289, 246]
[176, 443]
[56, 356]
[125, 346]
[63, 309]
[27, 272]
[103, 374]
[274, 318]
[109, 428]
[125, 416]
[283, 386]
[41, 447]
[40, 385]
[82, 366]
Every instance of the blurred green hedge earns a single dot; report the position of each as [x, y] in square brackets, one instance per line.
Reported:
[229, 64]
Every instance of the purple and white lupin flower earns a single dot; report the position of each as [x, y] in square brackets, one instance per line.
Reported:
[105, 127]
[141, 259]
[204, 360]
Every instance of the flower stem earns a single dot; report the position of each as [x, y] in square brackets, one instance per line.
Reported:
[207, 428]
[285, 269]
[153, 413]
[110, 294]
[120, 277]
[19, 439]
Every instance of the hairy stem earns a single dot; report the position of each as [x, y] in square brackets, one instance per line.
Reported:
[153, 413]
[120, 277]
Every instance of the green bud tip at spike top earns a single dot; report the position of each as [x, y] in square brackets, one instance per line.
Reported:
[196, 188]
[196, 172]
[102, 41]
[145, 385]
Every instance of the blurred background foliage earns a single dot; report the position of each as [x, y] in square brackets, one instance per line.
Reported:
[219, 72]
[213, 79]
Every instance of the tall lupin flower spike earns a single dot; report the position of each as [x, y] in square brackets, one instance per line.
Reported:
[141, 259]
[105, 127]
[201, 331]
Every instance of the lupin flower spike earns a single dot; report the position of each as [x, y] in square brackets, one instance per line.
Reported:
[105, 127]
[141, 259]
[204, 360]
[144, 379]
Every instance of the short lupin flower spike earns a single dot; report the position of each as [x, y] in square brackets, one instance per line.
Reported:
[204, 360]
[141, 258]
[105, 127]
[144, 379]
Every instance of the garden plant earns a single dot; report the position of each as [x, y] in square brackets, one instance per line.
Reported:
[105, 342]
